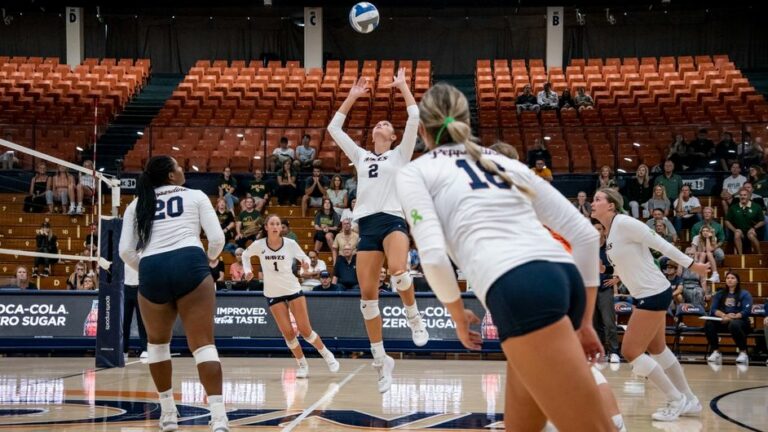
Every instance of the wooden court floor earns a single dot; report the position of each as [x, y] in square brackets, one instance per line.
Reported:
[67, 394]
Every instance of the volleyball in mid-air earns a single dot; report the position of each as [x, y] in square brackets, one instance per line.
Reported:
[364, 17]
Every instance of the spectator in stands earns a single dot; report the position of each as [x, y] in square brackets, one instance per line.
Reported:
[347, 215]
[327, 223]
[727, 151]
[259, 190]
[8, 159]
[662, 230]
[638, 191]
[21, 280]
[61, 188]
[692, 287]
[37, 199]
[305, 155]
[346, 237]
[227, 223]
[228, 189]
[310, 276]
[566, 102]
[541, 170]
[217, 269]
[547, 98]
[705, 244]
[670, 270]
[731, 186]
[89, 283]
[286, 230]
[76, 280]
[345, 270]
[751, 151]
[286, 185]
[351, 184]
[584, 207]
[92, 238]
[46, 242]
[86, 189]
[539, 151]
[672, 182]
[687, 209]
[326, 283]
[679, 153]
[236, 271]
[745, 220]
[282, 154]
[657, 215]
[759, 180]
[384, 285]
[527, 101]
[755, 198]
[606, 180]
[708, 220]
[701, 151]
[605, 314]
[248, 225]
[315, 189]
[337, 194]
[659, 200]
[583, 100]
[732, 305]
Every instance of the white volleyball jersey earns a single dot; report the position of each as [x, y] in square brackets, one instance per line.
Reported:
[376, 173]
[180, 213]
[486, 227]
[628, 247]
[276, 265]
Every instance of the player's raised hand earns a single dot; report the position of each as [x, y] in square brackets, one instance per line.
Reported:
[399, 80]
[361, 88]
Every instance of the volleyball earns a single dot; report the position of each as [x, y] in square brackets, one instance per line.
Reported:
[364, 17]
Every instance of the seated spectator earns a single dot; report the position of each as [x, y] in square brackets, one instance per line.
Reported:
[732, 305]
[657, 215]
[281, 154]
[86, 189]
[687, 209]
[759, 180]
[527, 101]
[8, 159]
[566, 102]
[753, 197]
[672, 273]
[547, 98]
[582, 205]
[708, 220]
[701, 151]
[583, 100]
[671, 182]
[90, 251]
[337, 194]
[541, 170]
[76, 280]
[346, 237]
[305, 155]
[326, 283]
[345, 270]
[228, 225]
[638, 191]
[726, 151]
[314, 191]
[249, 223]
[745, 220]
[61, 189]
[659, 200]
[259, 190]
[46, 242]
[692, 288]
[287, 192]
[351, 184]
[310, 276]
[327, 224]
[662, 230]
[90, 283]
[217, 269]
[539, 151]
[750, 151]
[679, 154]
[286, 230]
[505, 149]
[236, 271]
[384, 285]
[21, 280]
[92, 238]
[38, 187]
[731, 186]
[228, 189]
[347, 214]
[606, 180]
[705, 244]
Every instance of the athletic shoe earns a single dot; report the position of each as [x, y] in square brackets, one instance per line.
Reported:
[715, 357]
[419, 332]
[302, 371]
[742, 358]
[71, 211]
[79, 210]
[615, 358]
[333, 364]
[620, 426]
[384, 369]
[692, 408]
[169, 421]
[219, 424]
[672, 411]
[715, 278]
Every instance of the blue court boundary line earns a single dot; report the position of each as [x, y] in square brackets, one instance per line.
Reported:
[713, 406]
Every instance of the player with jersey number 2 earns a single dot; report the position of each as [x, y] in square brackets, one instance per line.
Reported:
[383, 230]
[487, 213]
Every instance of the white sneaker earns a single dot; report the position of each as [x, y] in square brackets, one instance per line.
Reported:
[333, 364]
[219, 424]
[79, 210]
[302, 371]
[615, 358]
[742, 358]
[144, 356]
[672, 411]
[71, 210]
[715, 278]
[715, 357]
[169, 421]
[692, 408]
[384, 370]
[419, 332]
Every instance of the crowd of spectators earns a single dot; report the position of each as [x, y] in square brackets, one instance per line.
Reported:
[56, 192]
[548, 100]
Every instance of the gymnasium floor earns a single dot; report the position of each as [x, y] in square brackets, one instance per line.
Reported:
[44, 394]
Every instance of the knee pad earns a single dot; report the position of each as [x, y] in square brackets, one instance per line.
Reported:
[402, 281]
[157, 353]
[598, 376]
[293, 343]
[206, 353]
[369, 308]
[643, 365]
[666, 359]
[312, 337]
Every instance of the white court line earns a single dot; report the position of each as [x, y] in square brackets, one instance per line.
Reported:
[322, 400]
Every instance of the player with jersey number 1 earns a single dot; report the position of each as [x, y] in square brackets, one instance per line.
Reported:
[383, 230]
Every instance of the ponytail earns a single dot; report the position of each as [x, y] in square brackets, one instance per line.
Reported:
[155, 175]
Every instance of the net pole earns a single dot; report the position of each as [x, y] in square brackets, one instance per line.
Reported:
[96, 212]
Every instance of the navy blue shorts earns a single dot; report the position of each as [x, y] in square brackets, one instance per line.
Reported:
[534, 295]
[376, 227]
[169, 276]
[657, 302]
[287, 299]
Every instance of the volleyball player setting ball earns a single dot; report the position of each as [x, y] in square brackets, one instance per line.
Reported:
[628, 244]
[283, 291]
[383, 230]
[163, 223]
[486, 212]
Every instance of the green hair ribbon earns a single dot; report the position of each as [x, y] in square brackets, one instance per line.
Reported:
[448, 120]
